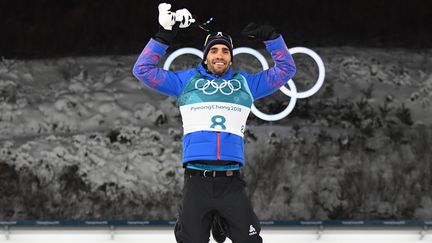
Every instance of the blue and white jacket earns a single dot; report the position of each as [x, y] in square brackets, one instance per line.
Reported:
[214, 109]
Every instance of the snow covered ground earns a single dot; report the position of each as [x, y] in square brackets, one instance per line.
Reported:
[165, 235]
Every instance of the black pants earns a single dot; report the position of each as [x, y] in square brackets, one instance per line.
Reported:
[204, 196]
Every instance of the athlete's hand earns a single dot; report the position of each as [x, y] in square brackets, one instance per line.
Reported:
[260, 32]
[167, 36]
[168, 27]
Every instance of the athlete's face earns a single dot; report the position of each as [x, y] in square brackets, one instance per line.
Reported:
[218, 59]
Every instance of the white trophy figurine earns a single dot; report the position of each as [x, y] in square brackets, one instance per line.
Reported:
[184, 17]
[167, 18]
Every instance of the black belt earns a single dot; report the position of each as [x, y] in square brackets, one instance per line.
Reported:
[212, 173]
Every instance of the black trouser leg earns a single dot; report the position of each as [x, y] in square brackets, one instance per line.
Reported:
[194, 222]
[236, 210]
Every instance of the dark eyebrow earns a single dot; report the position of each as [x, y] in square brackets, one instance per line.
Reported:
[223, 48]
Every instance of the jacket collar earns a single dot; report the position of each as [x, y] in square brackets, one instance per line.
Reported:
[203, 71]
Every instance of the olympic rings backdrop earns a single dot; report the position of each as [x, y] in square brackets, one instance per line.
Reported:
[291, 92]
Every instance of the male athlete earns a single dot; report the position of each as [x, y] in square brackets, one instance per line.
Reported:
[214, 104]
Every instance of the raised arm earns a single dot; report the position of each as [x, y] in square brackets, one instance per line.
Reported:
[268, 81]
[146, 69]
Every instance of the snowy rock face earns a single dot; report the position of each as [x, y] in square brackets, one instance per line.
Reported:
[81, 139]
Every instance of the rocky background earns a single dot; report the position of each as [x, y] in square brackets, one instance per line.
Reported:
[81, 139]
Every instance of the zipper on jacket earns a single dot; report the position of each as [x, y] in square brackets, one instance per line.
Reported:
[218, 135]
[218, 145]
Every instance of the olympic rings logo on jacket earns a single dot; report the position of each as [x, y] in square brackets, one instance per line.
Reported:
[211, 87]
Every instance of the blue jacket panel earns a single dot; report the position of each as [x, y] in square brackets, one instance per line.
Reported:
[204, 145]
[211, 145]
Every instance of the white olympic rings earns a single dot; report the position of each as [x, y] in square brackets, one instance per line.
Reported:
[216, 86]
[321, 74]
[179, 52]
[291, 92]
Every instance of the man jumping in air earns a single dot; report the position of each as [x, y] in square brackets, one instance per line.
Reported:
[214, 104]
